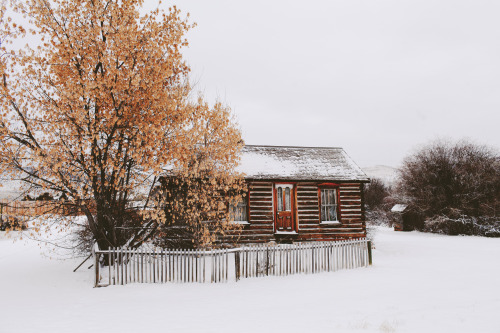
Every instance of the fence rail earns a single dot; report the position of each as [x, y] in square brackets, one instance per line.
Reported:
[27, 209]
[23, 208]
[123, 265]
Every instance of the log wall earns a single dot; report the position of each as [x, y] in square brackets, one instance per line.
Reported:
[261, 214]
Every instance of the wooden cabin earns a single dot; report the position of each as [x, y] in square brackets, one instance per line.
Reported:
[298, 194]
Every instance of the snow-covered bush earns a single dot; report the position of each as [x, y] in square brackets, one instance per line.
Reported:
[371, 230]
[378, 217]
[464, 225]
[378, 202]
[375, 218]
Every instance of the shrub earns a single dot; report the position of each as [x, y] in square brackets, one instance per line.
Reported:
[11, 223]
[464, 225]
[375, 193]
[378, 217]
[452, 179]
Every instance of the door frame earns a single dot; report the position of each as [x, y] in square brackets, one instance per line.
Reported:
[293, 201]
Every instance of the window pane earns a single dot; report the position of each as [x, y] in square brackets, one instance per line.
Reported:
[238, 211]
[279, 193]
[328, 205]
[242, 211]
[332, 213]
[287, 199]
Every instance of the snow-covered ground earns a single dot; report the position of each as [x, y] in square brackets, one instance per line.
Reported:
[418, 283]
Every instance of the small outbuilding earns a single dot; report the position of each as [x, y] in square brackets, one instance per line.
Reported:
[406, 218]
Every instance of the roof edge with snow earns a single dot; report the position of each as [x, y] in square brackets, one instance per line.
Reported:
[299, 163]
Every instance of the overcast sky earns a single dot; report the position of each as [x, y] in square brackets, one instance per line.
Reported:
[377, 78]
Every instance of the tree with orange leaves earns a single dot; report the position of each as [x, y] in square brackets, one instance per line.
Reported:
[101, 108]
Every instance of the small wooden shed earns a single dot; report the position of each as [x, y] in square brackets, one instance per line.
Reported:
[406, 218]
[300, 194]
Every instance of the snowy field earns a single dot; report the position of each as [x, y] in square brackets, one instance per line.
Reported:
[418, 283]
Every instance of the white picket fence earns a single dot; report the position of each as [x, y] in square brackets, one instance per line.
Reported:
[122, 265]
[308, 258]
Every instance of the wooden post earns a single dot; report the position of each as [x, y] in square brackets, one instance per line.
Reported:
[369, 244]
[267, 260]
[96, 265]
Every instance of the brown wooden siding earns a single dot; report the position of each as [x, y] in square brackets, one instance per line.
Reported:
[261, 214]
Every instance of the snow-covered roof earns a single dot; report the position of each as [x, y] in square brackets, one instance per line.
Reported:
[299, 163]
[398, 208]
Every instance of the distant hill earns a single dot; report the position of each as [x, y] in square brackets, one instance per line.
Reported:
[385, 173]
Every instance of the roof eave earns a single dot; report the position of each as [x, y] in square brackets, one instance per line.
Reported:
[303, 179]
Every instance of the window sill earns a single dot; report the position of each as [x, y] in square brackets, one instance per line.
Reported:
[285, 232]
[241, 222]
[330, 223]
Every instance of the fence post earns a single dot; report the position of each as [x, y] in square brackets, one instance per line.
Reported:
[96, 265]
[267, 260]
[237, 265]
[369, 244]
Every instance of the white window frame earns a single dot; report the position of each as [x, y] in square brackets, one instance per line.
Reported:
[333, 222]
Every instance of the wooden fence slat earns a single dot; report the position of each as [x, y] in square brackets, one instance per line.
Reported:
[114, 267]
[120, 265]
[109, 267]
[125, 265]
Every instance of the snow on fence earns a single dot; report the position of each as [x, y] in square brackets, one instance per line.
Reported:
[122, 265]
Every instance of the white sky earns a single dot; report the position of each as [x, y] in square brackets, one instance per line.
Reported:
[375, 77]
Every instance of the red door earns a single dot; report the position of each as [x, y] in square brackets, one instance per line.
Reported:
[284, 207]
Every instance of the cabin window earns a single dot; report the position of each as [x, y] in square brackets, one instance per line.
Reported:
[239, 212]
[329, 211]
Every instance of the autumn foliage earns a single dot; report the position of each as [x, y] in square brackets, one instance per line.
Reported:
[102, 108]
